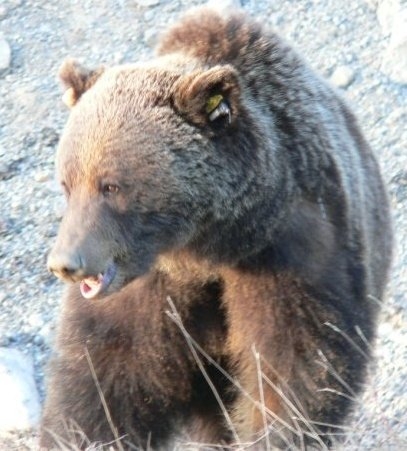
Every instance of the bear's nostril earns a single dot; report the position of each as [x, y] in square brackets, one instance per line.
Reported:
[65, 266]
[66, 271]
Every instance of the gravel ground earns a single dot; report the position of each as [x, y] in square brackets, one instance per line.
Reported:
[41, 33]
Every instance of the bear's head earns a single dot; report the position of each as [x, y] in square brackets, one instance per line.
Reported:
[154, 158]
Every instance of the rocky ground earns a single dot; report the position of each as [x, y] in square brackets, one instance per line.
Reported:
[361, 47]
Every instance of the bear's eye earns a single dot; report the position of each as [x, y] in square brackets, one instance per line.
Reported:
[108, 189]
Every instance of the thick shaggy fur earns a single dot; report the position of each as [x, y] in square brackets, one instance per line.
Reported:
[267, 227]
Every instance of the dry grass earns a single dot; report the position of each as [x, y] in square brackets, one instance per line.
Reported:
[352, 437]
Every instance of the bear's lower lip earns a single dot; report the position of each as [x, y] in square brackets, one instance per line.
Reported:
[92, 286]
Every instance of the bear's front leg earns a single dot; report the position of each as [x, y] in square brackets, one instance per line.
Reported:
[121, 371]
[290, 364]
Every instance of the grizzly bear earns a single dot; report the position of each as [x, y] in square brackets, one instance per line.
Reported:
[227, 240]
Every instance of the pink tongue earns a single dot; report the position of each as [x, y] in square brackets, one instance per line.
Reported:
[91, 286]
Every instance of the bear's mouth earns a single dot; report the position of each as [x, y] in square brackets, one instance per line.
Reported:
[94, 285]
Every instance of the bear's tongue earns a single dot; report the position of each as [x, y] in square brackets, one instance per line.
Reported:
[93, 285]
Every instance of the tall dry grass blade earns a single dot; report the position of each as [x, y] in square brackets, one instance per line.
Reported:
[63, 444]
[339, 393]
[293, 397]
[377, 301]
[261, 392]
[364, 339]
[311, 432]
[294, 408]
[103, 400]
[347, 338]
[76, 438]
[174, 315]
[328, 367]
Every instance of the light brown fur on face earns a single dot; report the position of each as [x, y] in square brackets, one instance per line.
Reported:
[227, 181]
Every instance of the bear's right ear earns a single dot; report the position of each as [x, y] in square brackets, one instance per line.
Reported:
[77, 79]
[210, 97]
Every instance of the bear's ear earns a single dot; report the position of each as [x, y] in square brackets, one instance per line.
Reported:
[210, 97]
[77, 79]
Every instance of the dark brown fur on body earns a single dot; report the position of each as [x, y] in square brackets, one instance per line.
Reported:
[266, 224]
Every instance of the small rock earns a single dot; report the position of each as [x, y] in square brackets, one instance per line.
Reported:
[342, 76]
[20, 406]
[400, 178]
[118, 57]
[385, 330]
[5, 171]
[46, 333]
[277, 19]
[150, 37]
[5, 54]
[60, 207]
[224, 5]
[42, 176]
[6, 227]
[49, 136]
[53, 186]
[372, 3]
[16, 204]
[35, 320]
[399, 187]
[50, 230]
[149, 15]
[147, 3]
[3, 12]
[38, 340]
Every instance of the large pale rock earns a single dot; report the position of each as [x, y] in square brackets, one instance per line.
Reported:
[19, 401]
[392, 16]
[386, 12]
[395, 58]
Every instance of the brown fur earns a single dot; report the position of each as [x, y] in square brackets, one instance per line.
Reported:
[228, 177]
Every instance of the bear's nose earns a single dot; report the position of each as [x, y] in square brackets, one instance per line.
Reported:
[66, 266]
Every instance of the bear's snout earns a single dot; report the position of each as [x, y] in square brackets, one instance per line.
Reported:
[66, 265]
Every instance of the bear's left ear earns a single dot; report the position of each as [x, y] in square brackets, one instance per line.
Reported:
[210, 97]
[77, 79]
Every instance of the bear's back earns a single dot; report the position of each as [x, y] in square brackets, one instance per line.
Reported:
[308, 122]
